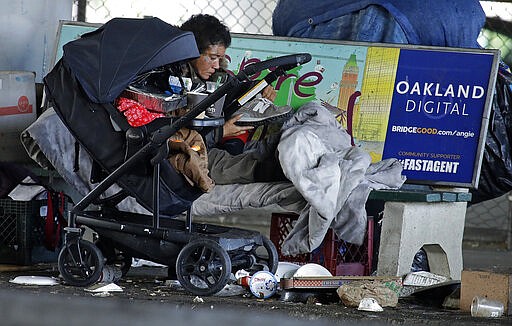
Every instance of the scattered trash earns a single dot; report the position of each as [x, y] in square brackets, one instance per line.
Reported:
[285, 268]
[296, 296]
[198, 300]
[110, 273]
[312, 269]
[492, 284]
[352, 293]
[139, 262]
[423, 278]
[174, 284]
[484, 307]
[408, 290]
[434, 295]
[415, 281]
[35, 280]
[242, 278]
[420, 261]
[241, 273]
[102, 294]
[288, 274]
[312, 300]
[26, 190]
[369, 304]
[309, 297]
[244, 281]
[231, 290]
[104, 287]
[452, 301]
[263, 285]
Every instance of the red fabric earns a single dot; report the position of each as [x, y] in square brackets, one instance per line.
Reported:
[243, 137]
[54, 219]
[136, 114]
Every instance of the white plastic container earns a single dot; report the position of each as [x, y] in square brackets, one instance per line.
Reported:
[263, 284]
[17, 111]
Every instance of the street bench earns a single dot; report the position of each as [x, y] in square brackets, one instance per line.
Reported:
[416, 217]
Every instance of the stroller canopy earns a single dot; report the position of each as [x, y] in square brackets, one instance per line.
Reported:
[108, 59]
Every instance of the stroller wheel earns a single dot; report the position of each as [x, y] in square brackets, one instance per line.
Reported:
[114, 256]
[80, 263]
[266, 257]
[203, 267]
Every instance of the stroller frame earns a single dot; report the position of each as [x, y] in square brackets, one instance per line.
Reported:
[201, 256]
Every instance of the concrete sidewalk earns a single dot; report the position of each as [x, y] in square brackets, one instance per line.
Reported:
[487, 259]
[479, 250]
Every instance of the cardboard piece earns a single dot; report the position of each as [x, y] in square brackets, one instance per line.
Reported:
[489, 284]
[334, 282]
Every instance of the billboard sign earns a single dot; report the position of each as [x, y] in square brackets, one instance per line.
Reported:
[426, 106]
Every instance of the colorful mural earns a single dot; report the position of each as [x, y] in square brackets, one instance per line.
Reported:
[428, 107]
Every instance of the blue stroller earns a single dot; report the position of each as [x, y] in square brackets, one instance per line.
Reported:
[82, 88]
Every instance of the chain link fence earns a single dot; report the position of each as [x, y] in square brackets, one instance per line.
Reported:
[241, 16]
[255, 16]
[485, 222]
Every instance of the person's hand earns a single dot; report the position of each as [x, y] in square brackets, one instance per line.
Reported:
[269, 93]
[231, 129]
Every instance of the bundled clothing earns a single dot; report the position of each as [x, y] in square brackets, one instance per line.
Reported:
[188, 156]
[334, 177]
[187, 148]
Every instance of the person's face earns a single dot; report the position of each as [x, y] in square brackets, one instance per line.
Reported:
[209, 61]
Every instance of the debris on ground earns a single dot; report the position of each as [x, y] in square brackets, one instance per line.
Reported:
[369, 304]
[352, 293]
[104, 287]
[35, 280]
[423, 278]
[263, 285]
[198, 299]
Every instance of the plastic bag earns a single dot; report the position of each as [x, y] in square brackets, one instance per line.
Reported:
[420, 262]
[496, 171]
[12, 174]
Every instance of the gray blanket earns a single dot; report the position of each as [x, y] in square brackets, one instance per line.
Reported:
[330, 180]
[334, 177]
[49, 143]
[233, 197]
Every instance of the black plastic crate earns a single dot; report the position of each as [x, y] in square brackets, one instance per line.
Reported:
[22, 233]
[17, 230]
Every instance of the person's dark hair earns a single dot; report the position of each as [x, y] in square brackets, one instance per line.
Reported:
[208, 30]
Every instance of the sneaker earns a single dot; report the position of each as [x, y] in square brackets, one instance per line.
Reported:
[261, 111]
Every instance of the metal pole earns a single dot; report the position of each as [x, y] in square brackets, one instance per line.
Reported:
[81, 8]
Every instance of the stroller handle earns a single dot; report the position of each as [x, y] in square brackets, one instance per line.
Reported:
[286, 60]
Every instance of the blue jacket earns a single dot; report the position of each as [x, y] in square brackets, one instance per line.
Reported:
[451, 23]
